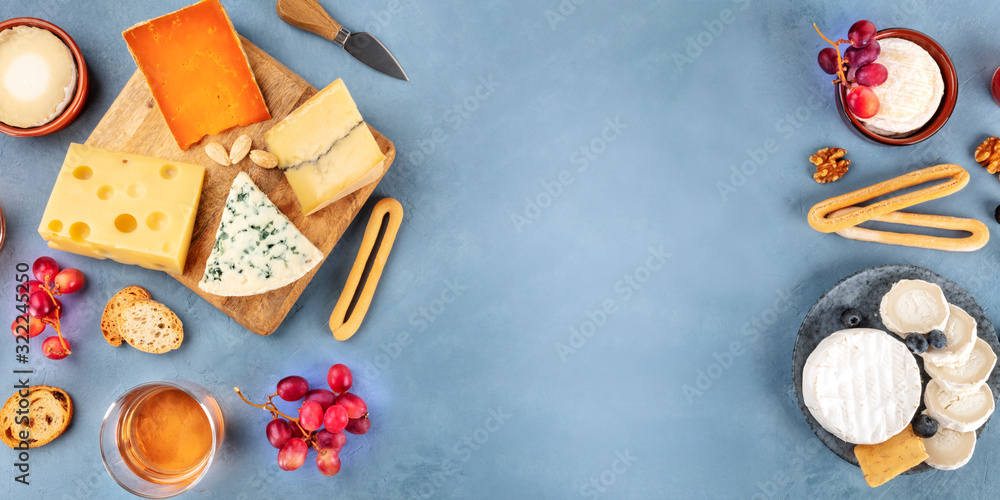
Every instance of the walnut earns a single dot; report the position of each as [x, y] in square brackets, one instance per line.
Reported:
[988, 155]
[829, 166]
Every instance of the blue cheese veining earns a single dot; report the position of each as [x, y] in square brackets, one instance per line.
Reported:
[257, 249]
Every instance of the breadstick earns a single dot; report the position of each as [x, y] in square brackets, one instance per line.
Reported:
[980, 234]
[345, 320]
[819, 215]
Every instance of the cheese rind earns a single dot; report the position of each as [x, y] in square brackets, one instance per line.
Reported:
[914, 306]
[861, 385]
[257, 249]
[325, 148]
[130, 208]
[960, 411]
[968, 376]
[911, 94]
[37, 76]
[961, 334]
[196, 69]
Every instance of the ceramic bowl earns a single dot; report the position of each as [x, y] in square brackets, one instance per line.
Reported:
[82, 82]
[947, 100]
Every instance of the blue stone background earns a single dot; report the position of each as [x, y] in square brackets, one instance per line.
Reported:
[575, 306]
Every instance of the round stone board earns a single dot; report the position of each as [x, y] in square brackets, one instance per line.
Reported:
[863, 291]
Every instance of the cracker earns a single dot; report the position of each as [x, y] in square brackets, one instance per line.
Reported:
[884, 461]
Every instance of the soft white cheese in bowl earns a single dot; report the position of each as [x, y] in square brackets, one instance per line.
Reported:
[38, 76]
[911, 95]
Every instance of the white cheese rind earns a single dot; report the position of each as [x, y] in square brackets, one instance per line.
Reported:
[257, 249]
[912, 93]
[914, 306]
[861, 385]
[961, 333]
[949, 449]
[968, 376]
[959, 411]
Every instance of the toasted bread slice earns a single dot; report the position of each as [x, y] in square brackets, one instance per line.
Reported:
[50, 410]
[150, 326]
[109, 320]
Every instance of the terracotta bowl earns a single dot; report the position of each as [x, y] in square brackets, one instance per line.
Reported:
[3, 228]
[82, 82]
[944, 109]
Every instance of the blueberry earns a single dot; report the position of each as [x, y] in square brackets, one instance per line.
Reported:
[924, 426]
[916, 343]
[851, 318]
[937, 339]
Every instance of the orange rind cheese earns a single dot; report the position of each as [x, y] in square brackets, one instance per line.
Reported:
[884, 461]
[197, 71]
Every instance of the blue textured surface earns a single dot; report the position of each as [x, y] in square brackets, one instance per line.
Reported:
[569, 259]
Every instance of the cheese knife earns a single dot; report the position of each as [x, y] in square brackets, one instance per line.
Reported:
[309, 15]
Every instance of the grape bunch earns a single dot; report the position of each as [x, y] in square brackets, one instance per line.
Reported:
[323, 418]
[856, 69]
[43, 308]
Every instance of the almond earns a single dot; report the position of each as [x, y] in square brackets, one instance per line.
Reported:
[217, 152]
[240, 149]
[263, 158]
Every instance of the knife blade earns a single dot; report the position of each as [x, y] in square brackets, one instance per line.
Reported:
[310, 16]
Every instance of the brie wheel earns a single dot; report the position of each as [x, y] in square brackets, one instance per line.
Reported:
[914, 306]
[861, 385]
[948, 449]
[911, 95]
[959, 411]
[966, 377]
[961, 333]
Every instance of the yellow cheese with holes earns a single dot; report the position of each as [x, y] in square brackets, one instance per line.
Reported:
[129, 208]
[325, 148]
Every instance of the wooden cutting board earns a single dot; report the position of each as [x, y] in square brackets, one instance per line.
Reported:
[134, 125]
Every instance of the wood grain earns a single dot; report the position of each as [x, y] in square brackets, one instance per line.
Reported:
[133, 124]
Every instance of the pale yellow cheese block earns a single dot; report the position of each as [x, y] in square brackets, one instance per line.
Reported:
[129, 208]
[325, 148]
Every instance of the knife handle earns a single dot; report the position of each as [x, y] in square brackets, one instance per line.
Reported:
[353, 303]
[309, 15]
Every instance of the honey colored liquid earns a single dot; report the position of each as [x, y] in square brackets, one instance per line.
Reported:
[166, 437]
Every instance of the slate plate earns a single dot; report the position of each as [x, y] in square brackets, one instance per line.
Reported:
[863, 291]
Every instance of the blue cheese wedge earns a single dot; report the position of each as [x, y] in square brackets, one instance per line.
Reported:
[257, 249]
[912, 93]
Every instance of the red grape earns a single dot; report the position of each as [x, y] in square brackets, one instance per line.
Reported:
[278, 432]
[828, 60]
[28, 287]
[358, 425]
[293, 454]
[861, 33]
[330, 440]
[322, 396]
[40, 304]
[355, 406]
[335, 418]
[311, 416]
[328, 462]
[53, 348]
[27, 325]
[69, 280]
[858, 57]
[340, 379]
[292, 388]
[45, 269]
[296, 431]
[872, 75]
[863, 102]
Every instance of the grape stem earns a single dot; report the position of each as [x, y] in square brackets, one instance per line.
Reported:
[841, 78]
[57, 314]
[269, 406]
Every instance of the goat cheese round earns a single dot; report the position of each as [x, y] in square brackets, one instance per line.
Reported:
[968, 376]
[861, 385]
[914, 306]
[912, 93]
[960, 411]
[948, 449]
[961, 334]
[37, 76]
